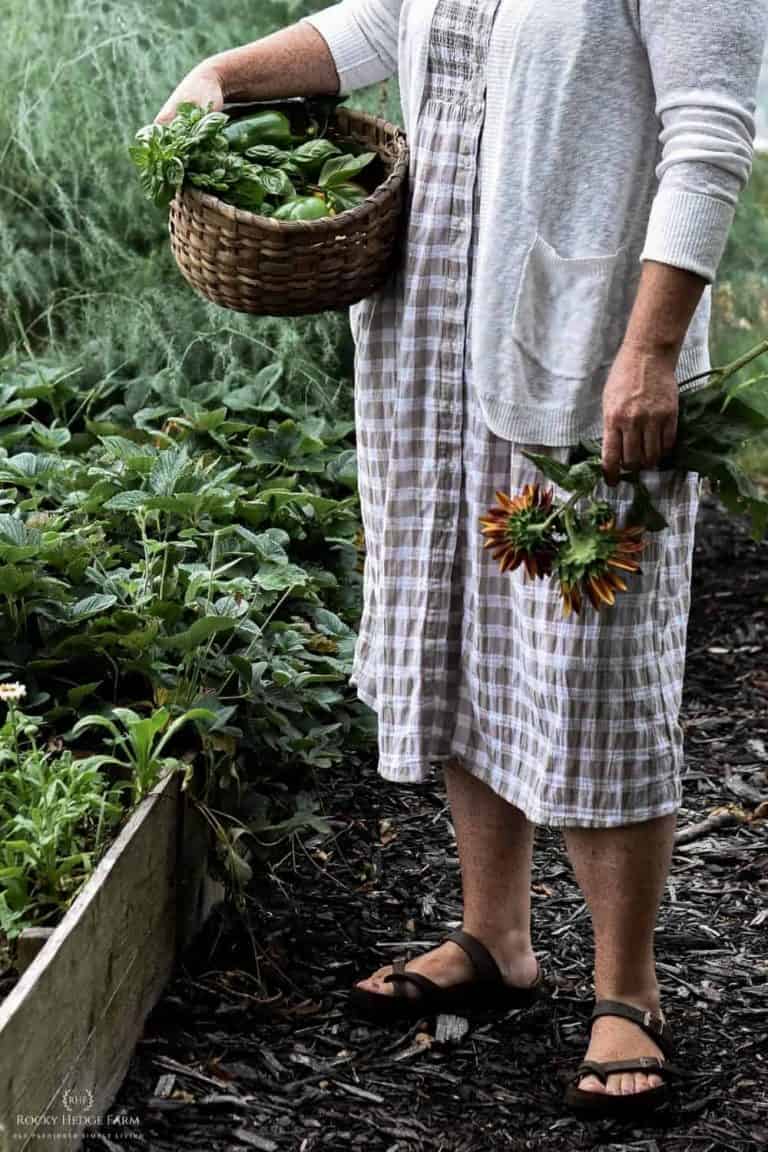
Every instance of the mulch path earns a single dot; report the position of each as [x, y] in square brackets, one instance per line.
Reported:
[251, 1047]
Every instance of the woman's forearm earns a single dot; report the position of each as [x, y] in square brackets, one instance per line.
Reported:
[666, 300]
[292, 62]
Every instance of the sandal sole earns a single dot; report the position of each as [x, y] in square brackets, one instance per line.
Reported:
[382, 1008]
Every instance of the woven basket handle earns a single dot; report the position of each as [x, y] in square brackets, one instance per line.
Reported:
[299, 108]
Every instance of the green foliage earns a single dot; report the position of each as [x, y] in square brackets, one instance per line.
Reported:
[740, 296]
[142, 740]
[741, 292]
[56, 815]
[185, 550]
[83, 258]
[178, 514]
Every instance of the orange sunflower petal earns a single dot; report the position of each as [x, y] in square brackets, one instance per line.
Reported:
[624, 566]
[615, 581]
[602, 590]
[594, 598]
[511, 561]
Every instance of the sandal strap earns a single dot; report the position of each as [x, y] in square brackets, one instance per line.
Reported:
[485, 965]
[426, 986]
[398, 966]
[652, 1023]
[650, 1065]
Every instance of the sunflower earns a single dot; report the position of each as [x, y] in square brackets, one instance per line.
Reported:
[518, 531]
[590, 561]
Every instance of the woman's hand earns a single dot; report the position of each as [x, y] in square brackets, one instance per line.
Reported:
[641, 396]
[640, 406]
[201, 86]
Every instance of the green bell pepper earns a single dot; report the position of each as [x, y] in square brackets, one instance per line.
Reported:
[269, 127]
[303, 208]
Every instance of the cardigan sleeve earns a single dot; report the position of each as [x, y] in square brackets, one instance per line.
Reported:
[362, 37]
[705, 58]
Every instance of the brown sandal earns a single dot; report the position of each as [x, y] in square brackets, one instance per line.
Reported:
[598, 1104]
[488, 992]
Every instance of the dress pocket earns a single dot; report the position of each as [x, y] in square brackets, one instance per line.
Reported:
[561, 317]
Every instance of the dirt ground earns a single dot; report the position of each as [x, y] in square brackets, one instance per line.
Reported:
[251, 1046]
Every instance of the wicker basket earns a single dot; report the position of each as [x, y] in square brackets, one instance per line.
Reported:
[254, 264]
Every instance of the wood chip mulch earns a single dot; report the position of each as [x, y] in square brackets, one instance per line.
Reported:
[251, 1048]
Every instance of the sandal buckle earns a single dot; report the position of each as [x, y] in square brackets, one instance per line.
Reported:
[654, 1020]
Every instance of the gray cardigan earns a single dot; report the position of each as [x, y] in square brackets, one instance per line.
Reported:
[616, 131]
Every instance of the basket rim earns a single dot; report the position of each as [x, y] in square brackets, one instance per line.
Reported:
[326, 223]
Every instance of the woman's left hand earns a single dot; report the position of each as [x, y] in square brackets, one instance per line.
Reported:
[640, 406]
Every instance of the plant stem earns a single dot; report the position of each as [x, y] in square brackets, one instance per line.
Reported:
[564, 510]
[731, 369]
[568, 519]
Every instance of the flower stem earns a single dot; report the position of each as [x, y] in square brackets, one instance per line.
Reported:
[730, 369]
[562, 510]
[568, 520]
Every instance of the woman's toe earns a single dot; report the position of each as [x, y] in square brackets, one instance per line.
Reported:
[591, 1084]
[655, 1081]
[375, 983]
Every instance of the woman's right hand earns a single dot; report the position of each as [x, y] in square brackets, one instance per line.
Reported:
[200, 86]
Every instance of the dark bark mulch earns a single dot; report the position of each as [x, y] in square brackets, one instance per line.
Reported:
[251, 1046]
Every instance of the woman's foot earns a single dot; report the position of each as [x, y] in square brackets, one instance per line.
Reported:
[449, 964]
[614, 1038]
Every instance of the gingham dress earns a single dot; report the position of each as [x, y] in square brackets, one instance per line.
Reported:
[573, 721]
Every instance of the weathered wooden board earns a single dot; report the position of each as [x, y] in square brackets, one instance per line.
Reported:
[69, 1027]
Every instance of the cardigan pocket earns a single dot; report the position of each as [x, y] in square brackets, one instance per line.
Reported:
[561, 316]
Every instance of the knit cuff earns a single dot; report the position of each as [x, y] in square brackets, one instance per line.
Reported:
[688, 230]
[356, 62]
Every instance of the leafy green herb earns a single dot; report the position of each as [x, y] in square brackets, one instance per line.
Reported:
[211, 152]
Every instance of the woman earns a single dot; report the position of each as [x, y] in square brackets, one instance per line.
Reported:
[575, 169]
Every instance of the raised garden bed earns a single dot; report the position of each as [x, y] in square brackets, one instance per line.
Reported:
[69, 1026]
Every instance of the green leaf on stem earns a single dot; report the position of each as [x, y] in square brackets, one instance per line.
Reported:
[552, 469]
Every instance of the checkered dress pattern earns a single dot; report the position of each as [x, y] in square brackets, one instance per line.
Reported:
[573, 721]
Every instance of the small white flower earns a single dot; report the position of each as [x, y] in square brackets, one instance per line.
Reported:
[12, 692]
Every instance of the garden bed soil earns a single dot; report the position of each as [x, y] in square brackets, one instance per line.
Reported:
[251, 1047]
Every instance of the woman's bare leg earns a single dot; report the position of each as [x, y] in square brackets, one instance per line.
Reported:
[495, 843]
[622, 873]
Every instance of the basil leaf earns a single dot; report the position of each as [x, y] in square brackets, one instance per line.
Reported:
[267, 154]
[340, 169]
[277, 183]
[346, 196]
[311, 156]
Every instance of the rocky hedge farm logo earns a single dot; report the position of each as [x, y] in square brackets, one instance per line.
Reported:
[77, 1099]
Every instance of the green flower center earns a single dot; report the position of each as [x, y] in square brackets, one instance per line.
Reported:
[527, 529]
[585, 553]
